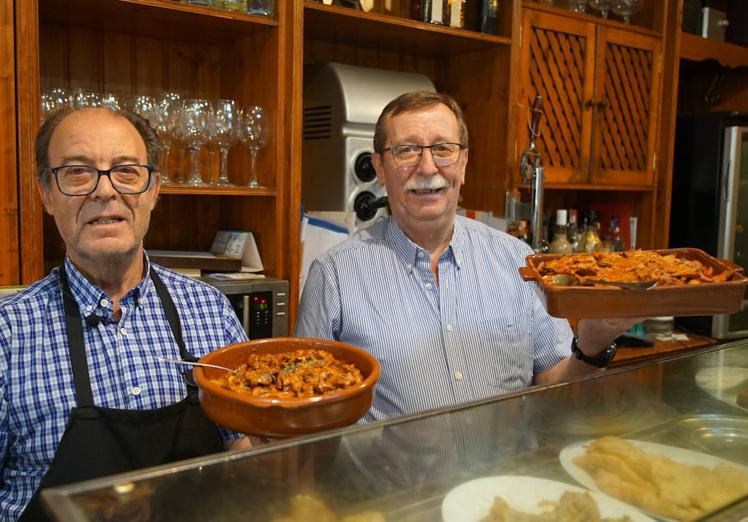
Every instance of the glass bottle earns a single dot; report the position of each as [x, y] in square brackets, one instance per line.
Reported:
[572, 230]
[592, 241]
[560, 243]
[429, 11]
[614, 234]
[489, 17]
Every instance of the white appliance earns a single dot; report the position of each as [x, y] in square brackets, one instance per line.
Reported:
[341, 106]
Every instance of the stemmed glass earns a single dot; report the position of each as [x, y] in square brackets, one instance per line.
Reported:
[192, 128]
[110, 101]
[254, 134]
[165, 121]
[53, 100]
[578, 6]
[223, 131]
[82, 98]
[601, 5]
[626, 8]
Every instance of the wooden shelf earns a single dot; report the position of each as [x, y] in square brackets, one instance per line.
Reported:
[187, 190]
[588, 17]
[589, 186]
[391, 33]
[696, 48]
[157, 18]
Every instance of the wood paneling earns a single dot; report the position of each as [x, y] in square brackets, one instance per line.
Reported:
[9, 248]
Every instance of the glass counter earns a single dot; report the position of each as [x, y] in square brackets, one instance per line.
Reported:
[423, 467]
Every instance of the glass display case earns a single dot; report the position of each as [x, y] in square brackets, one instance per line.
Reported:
[524, 447]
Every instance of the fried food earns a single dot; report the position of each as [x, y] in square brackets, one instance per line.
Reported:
[291, 375]
[632, 266]
[571, 507]
[305, 508]
[659, 484]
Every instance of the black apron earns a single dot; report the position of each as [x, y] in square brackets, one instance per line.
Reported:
[103, 441]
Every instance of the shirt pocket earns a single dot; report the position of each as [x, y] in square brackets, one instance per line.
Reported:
[505, 342]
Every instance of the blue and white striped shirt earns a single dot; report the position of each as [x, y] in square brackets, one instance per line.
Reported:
[480, 332]
[36, 381]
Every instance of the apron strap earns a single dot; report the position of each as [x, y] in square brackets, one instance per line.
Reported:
[76, 345]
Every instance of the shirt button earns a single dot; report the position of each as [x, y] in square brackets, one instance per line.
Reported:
[409, 267]
[136, 390]
[459, 263]
[89, 308]
[122, 331]
[104, 302]
[420, 254]
[458, 375]
[428, 286]
[449, 328]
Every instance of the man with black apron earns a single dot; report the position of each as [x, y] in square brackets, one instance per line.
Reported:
[102, 222]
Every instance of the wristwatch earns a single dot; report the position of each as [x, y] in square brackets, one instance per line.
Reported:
[601, 361]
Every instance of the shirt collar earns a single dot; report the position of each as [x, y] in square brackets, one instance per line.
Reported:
[91, 298]
[407, 251]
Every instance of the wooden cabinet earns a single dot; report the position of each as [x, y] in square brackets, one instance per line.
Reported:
[146, 47]
[9, 259]
[600, 86]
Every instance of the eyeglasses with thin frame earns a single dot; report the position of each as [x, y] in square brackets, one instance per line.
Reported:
[81, 180]
[409, 155]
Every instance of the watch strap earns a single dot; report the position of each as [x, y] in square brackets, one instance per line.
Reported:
[600, 361]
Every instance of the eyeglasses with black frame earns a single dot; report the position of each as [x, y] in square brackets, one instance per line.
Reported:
[81, 180]
[409, 155]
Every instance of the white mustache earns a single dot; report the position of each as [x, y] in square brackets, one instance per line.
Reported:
[435, 182]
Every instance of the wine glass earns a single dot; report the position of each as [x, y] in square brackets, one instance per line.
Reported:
[110, 101]
[165, 110]
[51, 101]
[626, 8]
[222, 130]
[191, 129]
[601, 5]
[578, 6]
[254, 134]
[82, 99]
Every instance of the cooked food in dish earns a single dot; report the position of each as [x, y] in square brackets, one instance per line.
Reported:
[659, 484]
[291, 375]
[742, 398]
[630, 267]
[305, 507]
[571, 507]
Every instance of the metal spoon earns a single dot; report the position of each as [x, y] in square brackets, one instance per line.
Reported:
[179, 361]
[572, 280]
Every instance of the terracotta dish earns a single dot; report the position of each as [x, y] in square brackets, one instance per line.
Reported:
[612, 302]
[285, 417]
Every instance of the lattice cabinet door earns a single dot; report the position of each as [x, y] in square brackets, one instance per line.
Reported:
[557, 59]
[626, 104]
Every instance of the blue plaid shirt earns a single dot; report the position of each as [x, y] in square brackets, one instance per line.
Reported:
[481, 331]
[36, 381]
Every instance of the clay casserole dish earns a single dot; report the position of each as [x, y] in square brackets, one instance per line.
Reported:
[285, 417]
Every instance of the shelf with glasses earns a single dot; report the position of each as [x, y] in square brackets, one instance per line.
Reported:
[177, 189]
[697, 49]
[158, 18]
[392, 33]
[642, 22]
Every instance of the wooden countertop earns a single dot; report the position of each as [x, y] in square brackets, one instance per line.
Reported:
[626, 355]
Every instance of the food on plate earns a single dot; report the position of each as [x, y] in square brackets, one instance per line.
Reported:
[630, 267]
[571, 507]
[307, 507]
[291, 375]
[659, 484]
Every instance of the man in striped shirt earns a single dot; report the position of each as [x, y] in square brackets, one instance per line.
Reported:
[436, 297]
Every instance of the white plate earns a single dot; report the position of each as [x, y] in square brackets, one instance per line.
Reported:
[684, 456]
[472, 501]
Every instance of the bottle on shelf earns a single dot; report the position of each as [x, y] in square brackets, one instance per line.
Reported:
[560, 243]
[614, 234]
[489, 16]
[592, 241]
[455, 13]
[429, 11]
[573, 233]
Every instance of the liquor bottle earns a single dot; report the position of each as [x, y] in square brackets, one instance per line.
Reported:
[429, 11]
[592, 241]
[614, 234]
[572, 230]
[560, 243]
[454, 15]
[489, 12]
